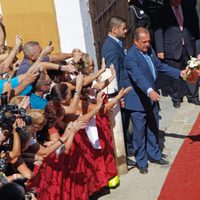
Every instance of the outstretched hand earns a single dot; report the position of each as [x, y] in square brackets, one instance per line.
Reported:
[46, 51]
[112, 70]
[25, 102]
[75, 126]
[124, 91]
[69, 68]
[31, 77]
[77, 55]
[190, 75]
[100, 97]
[79, 81]
[19, 123]
[154, 96]
[79, 124]
[184, 72]
[103, 65]
[7, 87]
[18, 41]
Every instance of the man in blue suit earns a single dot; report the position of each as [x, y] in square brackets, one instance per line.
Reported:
[114, 53]
[142, 67]
[113, 49]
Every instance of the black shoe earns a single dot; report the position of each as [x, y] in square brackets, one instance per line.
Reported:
[143, 170]
[130, 153]
[194, 101]
[164, 155]
[130, 162]
[176, 104]
[160, 162]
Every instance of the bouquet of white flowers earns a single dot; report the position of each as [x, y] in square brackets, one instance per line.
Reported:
[192, 73]
[194, 63]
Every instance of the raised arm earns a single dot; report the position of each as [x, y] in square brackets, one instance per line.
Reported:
[101, 85]
[28, 79]
[7, 62]
[109, 105]
[72, 108]
[35, 66]
[2, 35]
[91, 77]
[16, 148]
[93, 109]
[68, 134]
[52, 66]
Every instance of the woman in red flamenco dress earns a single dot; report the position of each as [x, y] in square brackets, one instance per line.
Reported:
[83, 170]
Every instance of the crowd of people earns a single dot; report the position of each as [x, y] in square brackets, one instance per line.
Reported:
[55, 139]
[55, 130]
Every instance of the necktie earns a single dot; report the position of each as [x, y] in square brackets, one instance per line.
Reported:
[179, 18]
[148, 59]
[120, 44]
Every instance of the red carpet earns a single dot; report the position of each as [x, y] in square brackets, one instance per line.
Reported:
[183, 180]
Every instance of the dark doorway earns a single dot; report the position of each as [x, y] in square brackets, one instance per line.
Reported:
[100, 12]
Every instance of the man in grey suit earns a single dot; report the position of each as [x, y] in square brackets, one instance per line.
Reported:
[175, 36]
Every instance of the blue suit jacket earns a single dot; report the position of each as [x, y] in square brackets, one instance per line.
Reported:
[139, 76]
[114, 54]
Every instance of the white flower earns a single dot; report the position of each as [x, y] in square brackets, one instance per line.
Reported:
[194, 63]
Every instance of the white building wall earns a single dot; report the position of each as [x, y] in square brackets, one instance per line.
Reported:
[74, 26]
[87, 29]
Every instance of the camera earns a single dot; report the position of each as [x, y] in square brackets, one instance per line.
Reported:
[3, 165]
[29, 194]
[50, 43]
[9, 113]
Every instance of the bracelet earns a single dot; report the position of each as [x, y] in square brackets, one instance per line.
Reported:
[76, 92]
[14, 131]
[59, 67]
[40, 58]
[60, 141]
[14, 176]
[114, 100]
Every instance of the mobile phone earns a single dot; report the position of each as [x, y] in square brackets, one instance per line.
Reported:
[50, 43]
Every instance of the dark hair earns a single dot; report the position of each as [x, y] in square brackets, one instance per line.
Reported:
[53, 110]
[12, 191]
[115, 21]
[39, 82]
[55, 75]
[58, 92]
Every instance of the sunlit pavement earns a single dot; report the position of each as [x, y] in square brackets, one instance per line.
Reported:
[175, 124]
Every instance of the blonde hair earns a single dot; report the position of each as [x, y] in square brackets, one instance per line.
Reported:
[16, 100]
[85, 64]
[37, 116]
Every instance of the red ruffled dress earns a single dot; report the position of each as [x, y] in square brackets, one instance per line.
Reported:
[82, 172]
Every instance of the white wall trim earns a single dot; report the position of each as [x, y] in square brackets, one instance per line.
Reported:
[74, 26]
